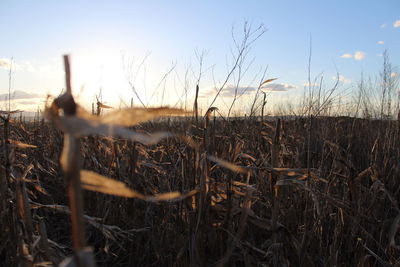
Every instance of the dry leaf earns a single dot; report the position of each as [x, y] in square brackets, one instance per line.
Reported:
[82, 127]
[210, 110]
[228, 165]
[130, 116]
[84, 123]
[20, 144]
[101, 105]
[267, 81]
[98, 183]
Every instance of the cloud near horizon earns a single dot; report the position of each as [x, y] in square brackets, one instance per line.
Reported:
[341, 79]
[5, 63]
[381, 42]
[17, 95]
[307, 84]
[229, 90]
[396, 24]
[277, 87]
[28, 102]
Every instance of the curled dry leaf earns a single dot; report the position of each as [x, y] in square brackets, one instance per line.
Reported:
[101, 105]
[81, 127]
[130, 116]
[95, 182]
[267, 81]
[298, 173]
[210, 110]
[98, 183]
[84, 123]
[20, 144]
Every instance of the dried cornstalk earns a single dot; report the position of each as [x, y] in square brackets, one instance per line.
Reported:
[242, 225]
[274, 177]
[70, 162]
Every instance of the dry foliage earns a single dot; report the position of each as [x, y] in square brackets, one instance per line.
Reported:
[344, 212]
[175, 193]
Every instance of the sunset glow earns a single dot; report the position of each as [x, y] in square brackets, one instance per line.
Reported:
[156, 47]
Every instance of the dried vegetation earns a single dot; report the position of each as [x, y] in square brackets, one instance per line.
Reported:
[176, 192]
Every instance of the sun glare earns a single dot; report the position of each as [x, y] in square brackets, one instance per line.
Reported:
[98, 72]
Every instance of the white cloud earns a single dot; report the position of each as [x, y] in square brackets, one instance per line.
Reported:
[25, 66]
[278, 87]
[28, 102]
[229, 90]
[381, 42]
[396, 24]
[19, 95]
[307, 84]
[346, 56]
[383, 26]
[5, 63]
[394, 74]
[379, 55]
[359, 55]
[341, 79]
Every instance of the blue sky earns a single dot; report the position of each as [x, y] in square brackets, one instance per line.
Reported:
[98, 34]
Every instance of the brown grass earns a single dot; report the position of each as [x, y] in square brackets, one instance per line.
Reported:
[345, 213]
[113, 190]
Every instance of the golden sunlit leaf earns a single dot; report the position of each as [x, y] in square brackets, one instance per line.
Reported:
[101, 105]
[98, 183]
[123, 117]
[132, 116]
[80, 127]
[210, 110]
[84, 123]
[228, 165]
[267, 81]
[20, 144]
[164, 196]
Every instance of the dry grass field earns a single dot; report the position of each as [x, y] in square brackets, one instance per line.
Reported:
[304, 191]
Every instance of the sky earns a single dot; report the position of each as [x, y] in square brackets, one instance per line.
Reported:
[122, 50]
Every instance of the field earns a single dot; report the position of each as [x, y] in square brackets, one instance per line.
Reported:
[317, 191]
[199, 133]
[169, 187]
